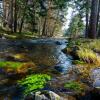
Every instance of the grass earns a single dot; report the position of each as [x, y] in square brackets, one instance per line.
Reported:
[9, 35]
[88, 56]
[86, 50]
[78, 62]
[75, 86]
[13, 65]
[34, 82]
[18, 67]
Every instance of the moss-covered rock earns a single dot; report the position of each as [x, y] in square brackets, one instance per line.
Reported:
[17, 67]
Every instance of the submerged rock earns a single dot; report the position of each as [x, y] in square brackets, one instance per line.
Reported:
[58, 43]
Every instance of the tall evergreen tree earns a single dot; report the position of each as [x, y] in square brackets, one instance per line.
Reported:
[92, 33]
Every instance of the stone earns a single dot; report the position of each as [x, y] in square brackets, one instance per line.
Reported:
[47, 95]
[95, 76]
[40, 96]
[96, 83]
[54, 96]
[58, 43]
[44, 95]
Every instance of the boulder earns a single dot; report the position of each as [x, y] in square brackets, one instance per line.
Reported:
[44, 95]
[47, 95]
[96, 77]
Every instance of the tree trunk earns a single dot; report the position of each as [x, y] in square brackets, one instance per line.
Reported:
[93, 20]
[11, 16]
[23, 18]
[99, 31]
[98, 16]
[87, 18]
[44, 27]
[21, 25]
[4, 13]
[15, 16]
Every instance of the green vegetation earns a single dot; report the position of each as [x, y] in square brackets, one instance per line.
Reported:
[34, 82]
[17, 35]
[10, 64]
[86, 50]
[87, 55]
[18, 67]
[75, 86]
[76, 27]
[78, 62]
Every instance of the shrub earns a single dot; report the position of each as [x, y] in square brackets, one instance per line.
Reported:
[34, 83]
[87, 55]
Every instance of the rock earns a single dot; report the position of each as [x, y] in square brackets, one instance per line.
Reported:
[58, 43]
[97, 83]
[54, 96]
[41, 96]
[47, 95]
[96, 77]
[44, 95]
[97, 51]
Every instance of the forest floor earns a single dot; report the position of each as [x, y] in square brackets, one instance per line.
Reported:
[9, 35]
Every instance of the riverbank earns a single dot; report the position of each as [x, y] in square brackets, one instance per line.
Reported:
[86, 55]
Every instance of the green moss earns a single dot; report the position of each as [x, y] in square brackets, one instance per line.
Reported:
[79, 62]
[13, 65]
[34, 83]
[75, 86]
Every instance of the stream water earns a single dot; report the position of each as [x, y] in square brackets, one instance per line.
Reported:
[45, 53]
